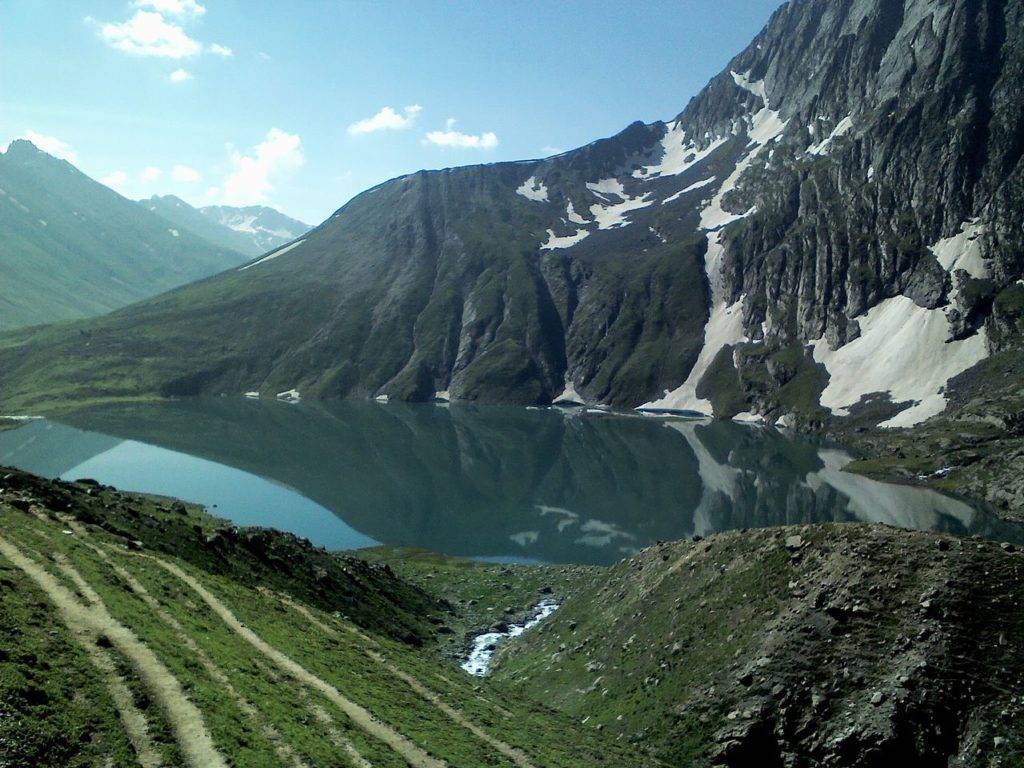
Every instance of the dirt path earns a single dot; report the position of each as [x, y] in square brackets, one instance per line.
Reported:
[517, 756]
[337, 738]
[410, 752]
[185, 719]
[284, 751]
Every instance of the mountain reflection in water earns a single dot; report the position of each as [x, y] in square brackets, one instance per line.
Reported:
[495, 482]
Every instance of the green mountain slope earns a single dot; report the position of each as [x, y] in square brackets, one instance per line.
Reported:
[71, 247]
[184, 216]
[241, 648]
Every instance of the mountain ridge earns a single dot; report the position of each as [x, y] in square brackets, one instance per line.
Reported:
[726, 262]
[74, 247]
[264, 227]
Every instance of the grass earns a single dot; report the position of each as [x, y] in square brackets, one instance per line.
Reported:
[54, 709]
[194, 638]
[481, 593]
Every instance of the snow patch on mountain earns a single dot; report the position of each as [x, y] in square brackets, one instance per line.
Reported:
[678, 154]
[725, 323]
[532, 189]
[569, 394]
[571, 215]
[567, 241]
[903, 351]
[273, 255]
[755, 87]
[613, 215]
[963, 251]
[691, 188]
[823, 147]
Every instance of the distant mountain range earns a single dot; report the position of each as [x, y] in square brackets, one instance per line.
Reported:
[831, 228]
[264, 227]
[72, 247]
[252, 230]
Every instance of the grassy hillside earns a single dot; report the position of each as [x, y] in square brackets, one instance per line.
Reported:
[181, 214]
[118, 654]
[821, 645]
[138, 630]
[71, 247]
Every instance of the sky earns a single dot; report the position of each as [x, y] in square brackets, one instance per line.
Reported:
[303, 104]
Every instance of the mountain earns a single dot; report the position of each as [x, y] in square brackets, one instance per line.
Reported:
[263, 227]
[830, 229]
[184, 216]
[72, 247]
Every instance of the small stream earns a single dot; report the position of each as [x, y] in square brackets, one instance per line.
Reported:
[478, 662]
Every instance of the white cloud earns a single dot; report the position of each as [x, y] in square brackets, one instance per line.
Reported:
[150, 174]
[173, 7]
[452, 138]
[185, 174]
[116, 180]
[149, 34]
[51, 145]
[387, 119]
[255, 174]
[221, 50]
[180, 76]
[549, 150]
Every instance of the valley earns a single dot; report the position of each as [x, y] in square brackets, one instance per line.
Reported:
[700, 443]
[192, 640]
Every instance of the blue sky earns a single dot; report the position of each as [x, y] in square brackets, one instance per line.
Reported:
[283, 103]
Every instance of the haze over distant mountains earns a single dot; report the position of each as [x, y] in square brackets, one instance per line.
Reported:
[73, 247]
[251, 230]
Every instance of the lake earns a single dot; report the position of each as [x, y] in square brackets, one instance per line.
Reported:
[501, 483]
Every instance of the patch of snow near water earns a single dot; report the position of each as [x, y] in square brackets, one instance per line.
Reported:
[254, 395]
[902, 350]
[569, 394]
[532, 189]
[274, 254]
[478, 662]
[725, 324]
[749, 417]
[290, 396]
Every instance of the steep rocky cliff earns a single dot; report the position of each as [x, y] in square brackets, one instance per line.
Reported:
[830, 228]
